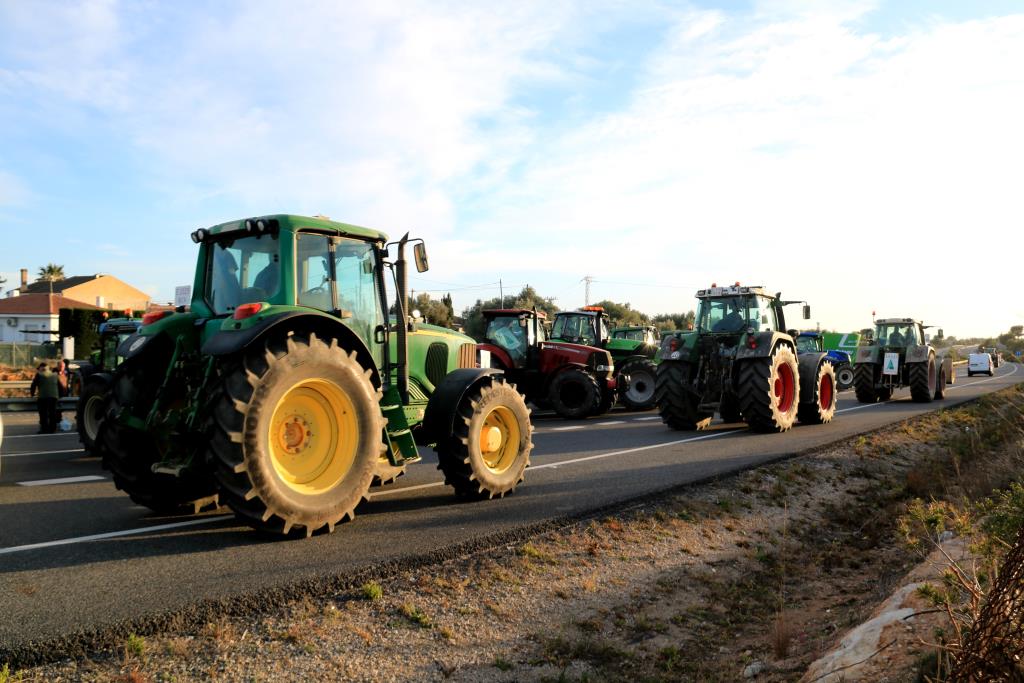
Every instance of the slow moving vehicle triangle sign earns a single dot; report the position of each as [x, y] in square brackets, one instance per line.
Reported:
[891, 365]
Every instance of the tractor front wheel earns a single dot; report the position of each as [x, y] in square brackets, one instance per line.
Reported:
[574, 394]
[821, 407]
[844, 377]
[296, 438]
[769, 390]
[679, 408]
[489, 447]
[922, 379]
[643, 377]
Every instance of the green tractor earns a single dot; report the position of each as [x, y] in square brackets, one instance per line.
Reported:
[94, 378]
[285, 390]
[633, 350]
[742, 362]
[897, 354]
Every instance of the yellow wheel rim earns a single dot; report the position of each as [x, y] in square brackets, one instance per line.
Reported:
[499, 439]
[313, 436]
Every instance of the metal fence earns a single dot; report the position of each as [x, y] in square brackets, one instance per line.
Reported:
[23, 355]
[994, 648]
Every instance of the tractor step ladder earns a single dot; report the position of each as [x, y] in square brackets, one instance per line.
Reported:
[402, 446]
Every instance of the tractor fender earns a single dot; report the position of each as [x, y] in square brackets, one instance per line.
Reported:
[917, 354]
[808, 365]
[228, 342]
[765, 345]
[868, 355]
[439, 418]
[497, 352]
[630, 359]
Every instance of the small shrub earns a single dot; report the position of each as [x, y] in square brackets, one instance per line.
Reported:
[372, 591]
[135, 646]
[413, 614]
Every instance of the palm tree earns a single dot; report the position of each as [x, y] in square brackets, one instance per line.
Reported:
[51, 272]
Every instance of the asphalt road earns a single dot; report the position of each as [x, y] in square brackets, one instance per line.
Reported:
[77, 555]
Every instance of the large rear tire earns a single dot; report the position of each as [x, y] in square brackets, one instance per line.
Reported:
[679, 408]
[130, 454]
[940, 385]
[769, 390]
[923, 379]
[489, 447]
[90, 409]
[574, 394]
[820, 408]
[864, 383]
[297, 435]
[643, 378]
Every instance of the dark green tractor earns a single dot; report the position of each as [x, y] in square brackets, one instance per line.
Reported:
[741, 361]
[633, 350]
[897, 354]
[94, 378]
[286, 390]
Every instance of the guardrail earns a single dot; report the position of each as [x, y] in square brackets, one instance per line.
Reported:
[26, 405]
[17, 384]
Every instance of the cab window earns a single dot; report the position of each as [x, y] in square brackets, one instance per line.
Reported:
[354, 266]
[313, 271]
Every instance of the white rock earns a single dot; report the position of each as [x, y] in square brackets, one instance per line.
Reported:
[753, 669]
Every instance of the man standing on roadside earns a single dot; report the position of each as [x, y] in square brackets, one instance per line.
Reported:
[45, 382]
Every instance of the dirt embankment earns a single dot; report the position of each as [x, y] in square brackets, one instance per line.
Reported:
[753, 577]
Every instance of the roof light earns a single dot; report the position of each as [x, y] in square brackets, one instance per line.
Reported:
[247, 310]
[250, 225]
[737, 283]
[592, 308]
[714, 284]
[154, 316]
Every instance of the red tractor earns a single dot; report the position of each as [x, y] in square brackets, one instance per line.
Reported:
[574, 380]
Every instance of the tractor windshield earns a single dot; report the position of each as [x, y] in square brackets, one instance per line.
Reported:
[889, 334]
[635, 335]
[507, 333]
[243, 270]
[579, 329]
[734, 314]
[808, 344]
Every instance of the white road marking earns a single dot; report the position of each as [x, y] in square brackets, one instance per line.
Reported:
[644, 419]
[955, 386]
[114, 534]
[62, 480]
[599, 456]
[609, 422]
[566, 429]
[23, 455]
[36, 436]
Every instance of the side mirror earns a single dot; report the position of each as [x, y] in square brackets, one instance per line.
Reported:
[807, 311]
[419, 252]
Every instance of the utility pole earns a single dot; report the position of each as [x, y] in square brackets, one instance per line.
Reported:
[586, 297]
[501, 292]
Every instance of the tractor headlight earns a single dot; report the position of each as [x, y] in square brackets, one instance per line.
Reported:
[605, 368]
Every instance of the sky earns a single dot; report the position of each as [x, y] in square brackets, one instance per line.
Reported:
[862, 155]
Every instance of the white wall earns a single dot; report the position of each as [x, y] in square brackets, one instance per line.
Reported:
[28, 322]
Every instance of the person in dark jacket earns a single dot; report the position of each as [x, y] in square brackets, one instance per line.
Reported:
[45, 382]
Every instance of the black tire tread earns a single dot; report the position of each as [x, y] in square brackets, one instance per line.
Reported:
[643, 365]
[677, 406]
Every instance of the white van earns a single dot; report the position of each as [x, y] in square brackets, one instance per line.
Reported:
[978, 363]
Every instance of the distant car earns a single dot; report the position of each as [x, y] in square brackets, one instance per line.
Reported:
[979, 363]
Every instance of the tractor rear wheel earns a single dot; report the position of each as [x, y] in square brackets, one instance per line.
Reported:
[769, 390]
[922, 380]
[89, 412]
[574, 393]
[940, 385]
[489, 447]
[821, 407]
[679, 408]
[864, 383]
[844, 377]
[643, 377]
[297, 435]
[130, 454]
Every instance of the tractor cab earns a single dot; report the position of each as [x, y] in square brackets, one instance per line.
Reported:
[647, 335]
[587, 326]
[897, 333]
[809, 342]
[517, 331]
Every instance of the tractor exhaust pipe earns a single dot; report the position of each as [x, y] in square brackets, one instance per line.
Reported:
[402, 314]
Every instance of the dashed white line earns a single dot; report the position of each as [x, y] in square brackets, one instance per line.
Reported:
[36, 436]
[23, 455]
[644, 419]
[566, 429]
[609, 422]
[62, 480]
[114, 534]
